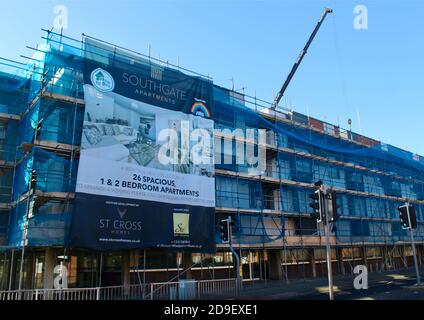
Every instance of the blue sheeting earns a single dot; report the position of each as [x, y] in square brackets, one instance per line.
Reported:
[50, 222]
[49, 226]
[232, 113]
[225, 104]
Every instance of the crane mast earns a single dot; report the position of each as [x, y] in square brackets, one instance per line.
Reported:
[300, 58]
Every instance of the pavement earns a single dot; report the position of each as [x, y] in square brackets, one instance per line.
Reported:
[388, 285]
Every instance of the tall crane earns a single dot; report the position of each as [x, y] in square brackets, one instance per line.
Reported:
[300, 58]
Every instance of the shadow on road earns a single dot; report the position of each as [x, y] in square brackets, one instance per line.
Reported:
[388, 285]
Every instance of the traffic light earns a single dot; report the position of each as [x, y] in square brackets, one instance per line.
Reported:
[317, 204]
[413, 217]
[334, 207]
[224, 228]
[403, 215]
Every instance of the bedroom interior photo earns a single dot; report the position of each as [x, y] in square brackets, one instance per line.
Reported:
[120, 129]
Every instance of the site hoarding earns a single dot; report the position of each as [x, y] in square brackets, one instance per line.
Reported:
[130, 193]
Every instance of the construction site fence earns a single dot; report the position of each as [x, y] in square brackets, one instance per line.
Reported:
[180, 290]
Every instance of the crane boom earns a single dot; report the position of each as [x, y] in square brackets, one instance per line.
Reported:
[300, 58]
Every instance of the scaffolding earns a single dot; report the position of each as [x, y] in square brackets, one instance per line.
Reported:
[41, 118]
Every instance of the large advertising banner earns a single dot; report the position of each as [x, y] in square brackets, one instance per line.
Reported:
[146, 171]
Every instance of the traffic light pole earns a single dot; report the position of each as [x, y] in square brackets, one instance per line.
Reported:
[413, 245]
[321, 204]
[230, 242]
[328, 247]
[237, 268]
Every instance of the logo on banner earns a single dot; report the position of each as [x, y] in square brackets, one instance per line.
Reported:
[120, 226]
[122, 212]
[199, 108]
[102, 80]
[181, 221]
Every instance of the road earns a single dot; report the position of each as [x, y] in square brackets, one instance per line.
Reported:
[392, 285]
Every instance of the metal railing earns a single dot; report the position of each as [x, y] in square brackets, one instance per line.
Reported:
[181, 290]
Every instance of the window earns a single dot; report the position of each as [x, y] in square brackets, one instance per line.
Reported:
[333, 173]
[3, 127]
[359, 228]
[223, 258]
[306, 226]
[303, 170]
[328, 128]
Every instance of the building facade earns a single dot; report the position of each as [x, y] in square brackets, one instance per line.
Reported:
[41, 123]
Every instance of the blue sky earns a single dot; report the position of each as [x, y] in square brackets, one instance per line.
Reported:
[375, 73]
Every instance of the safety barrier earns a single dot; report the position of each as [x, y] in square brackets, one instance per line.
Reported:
[180, 290]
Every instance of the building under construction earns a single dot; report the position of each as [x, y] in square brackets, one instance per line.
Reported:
[42, 107]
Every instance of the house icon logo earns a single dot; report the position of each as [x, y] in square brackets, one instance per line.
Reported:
[102, 80]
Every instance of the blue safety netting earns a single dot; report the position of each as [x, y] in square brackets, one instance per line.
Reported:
[233, 113]
[50, 219]
[13, 93]
[60, 61]
[47, 227]
[224, 104]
